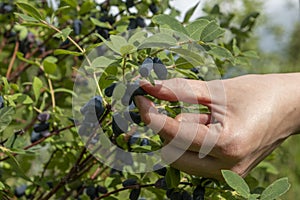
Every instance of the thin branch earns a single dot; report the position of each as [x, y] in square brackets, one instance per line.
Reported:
[12, 61]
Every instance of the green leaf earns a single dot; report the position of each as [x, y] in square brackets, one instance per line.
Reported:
[194, 58]
[119, 91]
[100, 24]
[137, 38]
[63, 52]
[250, 54]
[190, 12]
[221, 53]
[169, 22]
[195, 28]
[118, 42]
[276, 189]
[64, 33]
[109, 44]
[37, 85]
[49, 64]
[102, 61]
[172, 177]
[26, 17]
[162, 40]
[127, 49]
[65, 91]
[32, 11]
[21, 98]
[182, 63]
[237, 183]
[211, 31]
[6, 115]
[20, 56]
[72, 3]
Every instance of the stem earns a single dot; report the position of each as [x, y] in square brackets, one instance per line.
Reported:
[12, 61]
[52, 94]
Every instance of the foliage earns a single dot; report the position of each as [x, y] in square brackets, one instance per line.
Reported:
[42, 49]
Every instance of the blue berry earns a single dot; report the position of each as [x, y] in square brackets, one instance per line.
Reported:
[159, 69]
[146, 67]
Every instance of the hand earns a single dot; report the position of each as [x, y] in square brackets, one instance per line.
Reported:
[250, 116]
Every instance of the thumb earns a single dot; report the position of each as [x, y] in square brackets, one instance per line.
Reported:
[179, 89]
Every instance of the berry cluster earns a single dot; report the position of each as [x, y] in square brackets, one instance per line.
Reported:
[92, 111]
[41, 129]
[94, 191]
[156, 65]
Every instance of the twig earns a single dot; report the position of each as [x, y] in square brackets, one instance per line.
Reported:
[12, 61]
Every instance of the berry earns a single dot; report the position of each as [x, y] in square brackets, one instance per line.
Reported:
[133, 117]
[20, 191]
[161, 183]
[159, 69]
[176, 196]
[134, 194]
[146, 67]
[131, 91]
[195, 70]
[101, 189]
[77, 24]
[140, 22]
[91, 191]
[43, 117]
[198, 193]
[129, 3]
[186, 195]
[110, 90]
[94, 105]
[145, 142]
[35, 136]
[1, 102]
[134, 138]
[41, 127]
[129, 182]
[119, 124]
[132, 24]
[103, 32]
[160, 170]
[153, 8]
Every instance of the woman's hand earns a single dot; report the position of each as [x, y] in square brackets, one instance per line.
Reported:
[250, 116]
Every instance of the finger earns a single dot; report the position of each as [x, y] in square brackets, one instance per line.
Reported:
[187, 136]
[194, 118]
[190, 162]
[190, 91]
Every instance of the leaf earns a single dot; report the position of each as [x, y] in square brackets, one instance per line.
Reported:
[162, 40]
[190, 12]
[72, 3]
[109, 44]
[32, 11]
[63, 52]
[211, 31]
[170, 22]
[250, 54]
[237, 183]
[276, 189]
[137, 38]
[21, 57]
[194, 58]
[127, 49]
[182, 63]
[26, 17]
[195, 28]
[49, 64]
[100, 24]
[6, 114]
[21, 98]
[221, 53]
[118, 42]
[37, 84]
[119, 91]
[102, 61]
[172, 177]
[64, 33]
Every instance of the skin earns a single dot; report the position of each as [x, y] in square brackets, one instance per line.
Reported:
[250, 116]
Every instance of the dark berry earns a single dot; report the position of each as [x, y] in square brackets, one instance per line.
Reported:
[50, 184]
[20, 191]
[41, 127]
[133, 117]
[131, 91]
[129, 182]
[195, 70]
[94, 105]
[160, 170]
[199, 192]
[45, 133]
[35, 136]
[161, 183]
[119, 124]
[146, 67]
[186, 195]
[110, 90]
[1, 102]
[140, 22]
[103, 32]
[132, 24]
[153, 8]
[159, 69]
[101, 189]
[129, 3]
[134, 194]
[169, 192]
[145, 142]
[91, 191]
[134, 138]
[176, 196]
[77, 24]
[43, 117]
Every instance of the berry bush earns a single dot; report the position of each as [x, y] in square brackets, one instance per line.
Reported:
[69, 73]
